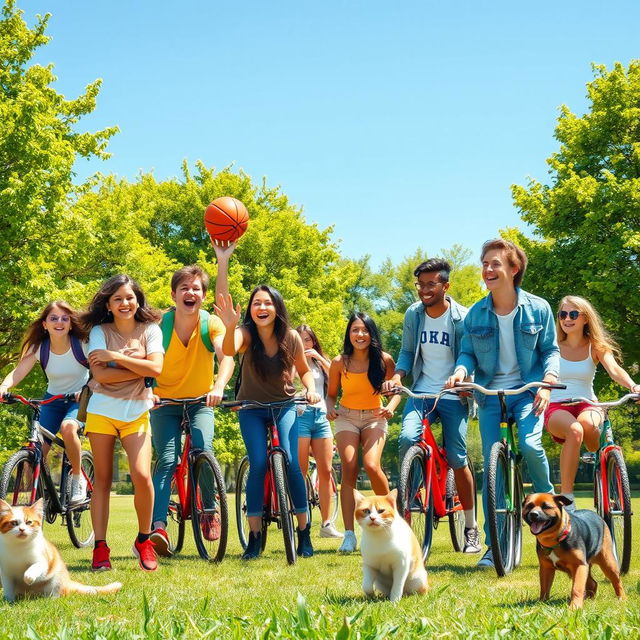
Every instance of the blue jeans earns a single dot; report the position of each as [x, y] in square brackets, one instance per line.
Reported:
[453, 416]
[52, 415]
[167, 441]
[253, 424]
[529, 428]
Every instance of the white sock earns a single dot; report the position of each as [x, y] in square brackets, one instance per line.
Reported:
[159, 524]
[326, 523]
[75, 478]
[469, 519]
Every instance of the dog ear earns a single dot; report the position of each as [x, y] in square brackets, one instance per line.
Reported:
[562, 500]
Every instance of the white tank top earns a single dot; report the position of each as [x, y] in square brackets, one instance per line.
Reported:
[578, 376]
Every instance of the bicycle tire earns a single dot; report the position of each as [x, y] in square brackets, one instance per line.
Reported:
[335, 496]
[285, 504]
[499, 516]
[312, 497]
[618, 511]
[78, 517]
[209, 513]
[414, 505]
[517, 517]
[19, 487]
[456, 518]
[597, 491]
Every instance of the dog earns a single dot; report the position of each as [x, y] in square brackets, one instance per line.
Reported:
[572, 542]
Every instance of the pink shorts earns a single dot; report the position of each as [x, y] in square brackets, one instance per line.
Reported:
[574, 409]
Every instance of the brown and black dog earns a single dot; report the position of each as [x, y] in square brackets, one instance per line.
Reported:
[571, 542]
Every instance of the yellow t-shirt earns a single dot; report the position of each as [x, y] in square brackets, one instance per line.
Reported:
[187, 372]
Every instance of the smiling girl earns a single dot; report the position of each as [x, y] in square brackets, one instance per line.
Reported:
[270, 350]
[361, 419]
[58, 342]
[125, 347]
[583, 342]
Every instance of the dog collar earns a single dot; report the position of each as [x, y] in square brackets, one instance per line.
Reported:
[562, 537]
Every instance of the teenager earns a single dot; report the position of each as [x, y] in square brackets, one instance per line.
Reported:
[431, 339]
[125, 347]
[509, 340]
[57, 341]
[361, 421]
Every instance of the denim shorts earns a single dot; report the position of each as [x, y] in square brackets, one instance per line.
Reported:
[54, 414]
[313, 423]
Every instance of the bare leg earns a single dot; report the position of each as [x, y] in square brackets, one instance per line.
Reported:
[372, 445]
[138, 448]
[563, 425]
[323, 453]
[102, 446]
[69, 433]
[464, 483]
[348, 443]
[591, 420]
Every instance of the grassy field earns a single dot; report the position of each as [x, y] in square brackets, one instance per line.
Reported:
[317, 598]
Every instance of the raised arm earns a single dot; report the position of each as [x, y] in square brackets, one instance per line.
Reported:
[235, 339]
[18, 374]
[223, 254]
[616, 372]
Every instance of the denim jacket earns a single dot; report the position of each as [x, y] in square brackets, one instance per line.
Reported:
[534, 334]
[410, 357]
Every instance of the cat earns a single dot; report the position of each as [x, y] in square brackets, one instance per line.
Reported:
[391, 555]
[29, 564]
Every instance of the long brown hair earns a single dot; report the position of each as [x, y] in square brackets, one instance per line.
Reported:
[593, 329]
[36, 332]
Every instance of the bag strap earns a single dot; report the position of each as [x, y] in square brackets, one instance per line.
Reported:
[45, 350]
[166, 326]
[78, 353]
[204, 330]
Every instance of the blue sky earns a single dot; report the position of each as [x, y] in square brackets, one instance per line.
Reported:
[402, 124]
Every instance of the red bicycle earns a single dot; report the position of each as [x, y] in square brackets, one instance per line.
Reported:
[20, 482]
[278, 506]
[427, 489]
[198, 494]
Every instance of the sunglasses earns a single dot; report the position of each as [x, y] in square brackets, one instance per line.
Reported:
[573, 314]
[58, 318]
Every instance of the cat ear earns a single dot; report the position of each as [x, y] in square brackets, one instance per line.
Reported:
[357, 496]
[393, 495]
[5, 507]
[38, 507]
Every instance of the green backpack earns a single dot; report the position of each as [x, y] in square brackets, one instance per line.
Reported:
[168, 320]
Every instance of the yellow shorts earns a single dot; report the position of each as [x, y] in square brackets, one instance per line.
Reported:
[118, 428]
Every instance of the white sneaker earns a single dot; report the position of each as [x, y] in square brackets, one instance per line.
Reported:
[349, 543]
[329, 531]
[78, 489]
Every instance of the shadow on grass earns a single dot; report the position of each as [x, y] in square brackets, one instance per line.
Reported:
[443, 567]
[339, 599]
[532, 602]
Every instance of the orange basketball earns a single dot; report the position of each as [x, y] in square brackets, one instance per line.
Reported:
[226, 219]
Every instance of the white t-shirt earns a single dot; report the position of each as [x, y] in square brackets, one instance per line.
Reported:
[122, 408]
[64, 373]
[436, 349]
[318, 378]
[508, 373]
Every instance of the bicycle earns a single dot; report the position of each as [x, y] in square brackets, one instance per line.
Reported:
[313, 496]
[197, 493]
[505, 491]
[612, 498]
[277, 503]
[427, 488]
[26, 476]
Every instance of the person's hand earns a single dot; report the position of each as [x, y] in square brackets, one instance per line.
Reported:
[312, 353]
[156, 401]
[312, 397]
[3, 391]
[225, 311]
[385, 412]
[214, 397]
[541, 401]
[223, 251]
[634, 389]
[388, 385]
[458, 376]
[102, 356]
[332, 414]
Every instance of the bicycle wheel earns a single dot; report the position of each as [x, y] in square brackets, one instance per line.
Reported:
[499, 514]
[334, 496]
[209, 515]
[285, 505]
[414, 505]
[16, 483]
[518, 498]
[618, 511]
[312, 497]
[78, 517]
[454, 506]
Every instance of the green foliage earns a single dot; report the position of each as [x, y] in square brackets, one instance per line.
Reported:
[38, 146]
[587, 219]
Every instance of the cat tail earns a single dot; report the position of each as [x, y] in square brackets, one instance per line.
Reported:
[77, 587]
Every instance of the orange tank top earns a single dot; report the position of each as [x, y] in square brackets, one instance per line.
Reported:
[357, 392]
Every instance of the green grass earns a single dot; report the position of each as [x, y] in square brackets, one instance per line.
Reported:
[317, 598]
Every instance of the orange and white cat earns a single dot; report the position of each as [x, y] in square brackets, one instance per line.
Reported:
[29, 564]
[391, 555]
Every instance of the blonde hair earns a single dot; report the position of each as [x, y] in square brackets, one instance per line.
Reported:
[593, 329]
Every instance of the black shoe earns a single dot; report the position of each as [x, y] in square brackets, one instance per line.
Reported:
[305, 548]
[254, 546]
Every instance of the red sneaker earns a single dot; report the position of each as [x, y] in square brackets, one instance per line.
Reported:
[210, 524]
[146, 555]
[161, 543]
[101, 560]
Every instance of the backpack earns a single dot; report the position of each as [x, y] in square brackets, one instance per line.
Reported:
[168, 321]
[76, 348]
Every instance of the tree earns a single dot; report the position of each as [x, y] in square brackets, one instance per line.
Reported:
[38, 147]
[586, 220]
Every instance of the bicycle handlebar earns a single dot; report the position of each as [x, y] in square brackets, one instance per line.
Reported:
[472, 386]
[165, 401]
[607, 405]
[14, 398]
[255, 404]
[397, 390]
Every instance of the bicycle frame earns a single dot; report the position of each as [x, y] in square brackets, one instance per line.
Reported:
[270, 496]
[513, 455]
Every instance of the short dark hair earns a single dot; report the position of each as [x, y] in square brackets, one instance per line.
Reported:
[434, 265]
[190, 272]
[515, 256]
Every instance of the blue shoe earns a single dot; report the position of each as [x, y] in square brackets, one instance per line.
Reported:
[486, 562]
[305, 548]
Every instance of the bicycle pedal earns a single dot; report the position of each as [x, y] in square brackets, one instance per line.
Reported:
[588, 458]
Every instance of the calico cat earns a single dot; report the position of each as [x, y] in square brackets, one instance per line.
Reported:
[391, 555]
[29, 564]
